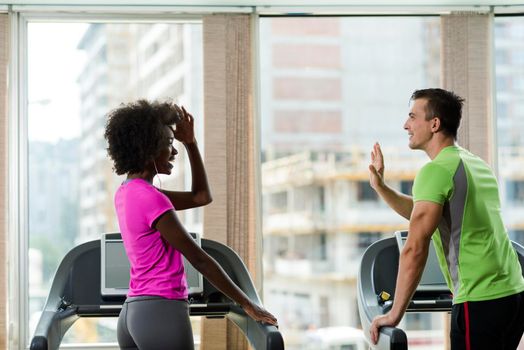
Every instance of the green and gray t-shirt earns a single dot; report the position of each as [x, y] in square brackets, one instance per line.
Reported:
[473, 248]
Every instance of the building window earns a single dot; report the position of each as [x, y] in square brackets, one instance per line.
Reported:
[278, 202]
[515, 191]
[323, 247]
[321, 195]
[323, 311]
[365, 239]
[406, 187]
[365, 193]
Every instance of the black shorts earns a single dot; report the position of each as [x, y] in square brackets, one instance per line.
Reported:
[495, 324]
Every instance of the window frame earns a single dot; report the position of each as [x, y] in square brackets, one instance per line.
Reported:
[17, 172]
[18, 142]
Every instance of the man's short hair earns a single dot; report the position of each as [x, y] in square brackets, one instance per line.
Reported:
[442, 104]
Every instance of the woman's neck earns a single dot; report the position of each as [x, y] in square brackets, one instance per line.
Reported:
[145, 175]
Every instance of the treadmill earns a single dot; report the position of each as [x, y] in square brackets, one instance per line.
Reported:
[378, 273]
[76, 292]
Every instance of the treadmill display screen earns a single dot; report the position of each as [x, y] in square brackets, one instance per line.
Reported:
[432, 277]
[115, 268]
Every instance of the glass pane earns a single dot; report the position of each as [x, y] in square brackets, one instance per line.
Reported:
[331, 87]
[77, 73]
[509, 72]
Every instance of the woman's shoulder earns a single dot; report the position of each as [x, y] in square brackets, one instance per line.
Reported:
[139, 188]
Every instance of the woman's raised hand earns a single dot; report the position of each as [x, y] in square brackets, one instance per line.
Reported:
[184, 130]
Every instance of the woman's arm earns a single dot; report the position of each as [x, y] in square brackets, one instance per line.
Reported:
[173, 231]
[200, 193]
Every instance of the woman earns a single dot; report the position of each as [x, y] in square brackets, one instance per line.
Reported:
[155, 314]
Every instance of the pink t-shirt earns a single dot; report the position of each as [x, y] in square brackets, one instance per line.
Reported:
[156, 267]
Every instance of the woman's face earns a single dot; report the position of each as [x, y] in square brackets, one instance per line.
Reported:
[167, 155]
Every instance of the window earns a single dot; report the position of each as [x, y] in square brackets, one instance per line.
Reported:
[278, 201]
[365, 239]
[321, 199]
[324, 310]
[509, 68]
[323, 247]
[509, 102]
[510, 124]
[406, 187]
[515, 191]
[330, 88]
[365, 192]
[77, 73]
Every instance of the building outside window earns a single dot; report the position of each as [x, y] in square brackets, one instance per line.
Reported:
[509, 70]
[330, 88]
[77, 73]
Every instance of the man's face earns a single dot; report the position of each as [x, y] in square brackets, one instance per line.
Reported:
[418, 128]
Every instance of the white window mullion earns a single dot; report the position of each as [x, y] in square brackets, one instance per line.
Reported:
[17, 179]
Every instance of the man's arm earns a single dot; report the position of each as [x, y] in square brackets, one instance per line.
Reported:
[424, 220]
[399, 202]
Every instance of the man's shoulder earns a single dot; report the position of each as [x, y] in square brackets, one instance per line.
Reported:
[436, 168]
[446, 162]
[433, 183]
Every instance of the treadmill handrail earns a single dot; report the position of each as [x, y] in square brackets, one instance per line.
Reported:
[390, 337]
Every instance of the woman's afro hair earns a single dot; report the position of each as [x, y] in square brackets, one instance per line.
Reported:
[135, 133]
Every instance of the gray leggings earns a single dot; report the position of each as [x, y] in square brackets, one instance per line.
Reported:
[154, 323]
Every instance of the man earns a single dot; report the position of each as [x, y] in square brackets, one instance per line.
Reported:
[456, 196]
